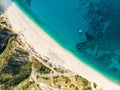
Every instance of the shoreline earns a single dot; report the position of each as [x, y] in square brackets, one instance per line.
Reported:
[47, 47]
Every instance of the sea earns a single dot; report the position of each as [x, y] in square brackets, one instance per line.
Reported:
[88, 29]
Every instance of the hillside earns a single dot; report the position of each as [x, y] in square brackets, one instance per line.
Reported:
[21, 70]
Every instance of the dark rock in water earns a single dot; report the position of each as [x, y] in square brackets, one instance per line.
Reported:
[80, 46]
[27, 2]
[99, 35]
[89, 37]
[98, 15]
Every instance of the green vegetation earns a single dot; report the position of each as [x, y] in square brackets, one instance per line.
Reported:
[72, 85]
[39, 67]
[73, 82]
[55, 79]
[87, 88]
[77, 77]
[46, 78]
[85, 82]
[59, 70]
[14, 65]
[86, 85]
[13, 72]
[76, 88]
[27, 85]
[95, 85]
[67, 80]
[59, 86]
[7, 52]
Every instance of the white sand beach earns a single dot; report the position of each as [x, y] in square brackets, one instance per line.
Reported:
[47, 47]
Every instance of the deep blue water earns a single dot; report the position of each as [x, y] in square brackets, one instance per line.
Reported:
[90, 29]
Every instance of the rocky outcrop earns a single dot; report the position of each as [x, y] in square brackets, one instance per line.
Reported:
[5, 34]
[103, 36]
[15, 65]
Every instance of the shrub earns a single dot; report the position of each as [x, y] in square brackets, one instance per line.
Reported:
[95, 85]
[46, 78]
[85, 81]
[67, 80]
[59, 86]
[72, 85]
[76, 88]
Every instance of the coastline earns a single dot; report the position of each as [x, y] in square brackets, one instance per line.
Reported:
[47, 47]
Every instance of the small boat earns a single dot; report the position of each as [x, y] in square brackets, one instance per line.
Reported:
[80, 31]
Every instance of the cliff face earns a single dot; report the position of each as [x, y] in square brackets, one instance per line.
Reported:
[5, 34]
[15, 65]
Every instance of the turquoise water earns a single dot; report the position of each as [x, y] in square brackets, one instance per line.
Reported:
[89, 29]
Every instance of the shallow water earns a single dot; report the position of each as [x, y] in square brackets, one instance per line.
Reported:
[87, 28]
